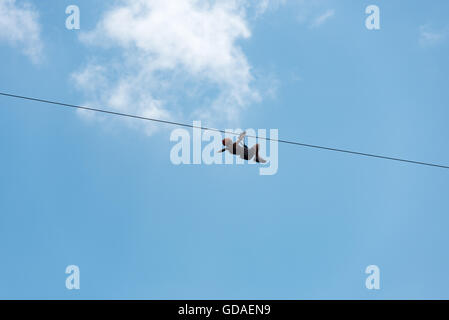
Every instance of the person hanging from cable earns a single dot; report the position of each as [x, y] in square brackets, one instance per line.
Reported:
[240, 149]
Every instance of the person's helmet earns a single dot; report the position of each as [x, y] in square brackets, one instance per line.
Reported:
[227, 142]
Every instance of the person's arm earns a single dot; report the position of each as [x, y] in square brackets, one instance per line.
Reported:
[241, 136]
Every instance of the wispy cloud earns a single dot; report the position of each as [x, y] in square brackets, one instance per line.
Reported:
[429, 36]
[321, 19]
[19, 27]
[263, 5]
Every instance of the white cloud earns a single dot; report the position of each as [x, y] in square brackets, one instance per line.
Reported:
[171, 54]
[428, 36]
[19, 27]
[318, 21]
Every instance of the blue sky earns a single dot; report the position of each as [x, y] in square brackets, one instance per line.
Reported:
[102, 193]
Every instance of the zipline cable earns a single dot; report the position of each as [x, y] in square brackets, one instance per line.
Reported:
[223, 131]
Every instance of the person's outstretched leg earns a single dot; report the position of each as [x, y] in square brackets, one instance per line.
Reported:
[259, 159]
[252, 152]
